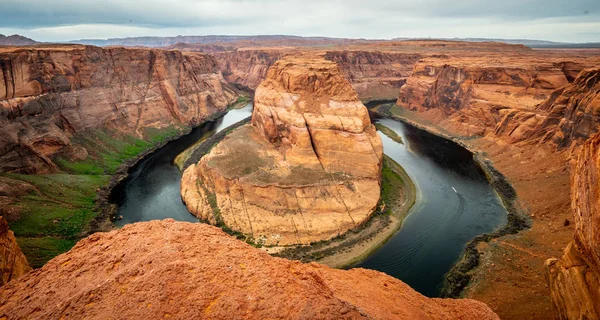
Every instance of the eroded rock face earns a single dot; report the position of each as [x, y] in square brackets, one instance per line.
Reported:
[375, 75]
[572, 111]
[183, 270]
[48, 95]
[574, 280]
[509, 97]
[13, 263]
[307, 169]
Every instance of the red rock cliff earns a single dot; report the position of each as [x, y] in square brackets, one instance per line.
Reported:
[183, 270]
[47, 95]
[574, 280]
[476, 96]
[13, 263]
[374, 75]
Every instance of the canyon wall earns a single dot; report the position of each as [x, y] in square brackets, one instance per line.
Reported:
[574, 280]
[526, 113]
[247, 67]
[375, 75]
[13, 263]
[190, 270]
[48, 95]
[476, 96]
[307, 169]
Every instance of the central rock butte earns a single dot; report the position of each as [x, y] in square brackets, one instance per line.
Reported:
[307, 169]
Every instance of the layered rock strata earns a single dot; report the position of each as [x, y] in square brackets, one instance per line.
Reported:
[13, 263]
[511, 98]
[50, 94]
[374, 75]
[164, 269]
[307, 169]
[574, 280]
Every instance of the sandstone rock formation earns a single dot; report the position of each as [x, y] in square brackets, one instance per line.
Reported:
[184, 270]
[50, 94]
[13, 263]
[473, 95]
[307, 169]
[572, 111]
[247, 67]
[574, 280]
[374, 75]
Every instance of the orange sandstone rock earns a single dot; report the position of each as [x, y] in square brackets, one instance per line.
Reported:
[183, 270]
[13, 263]
[574, 280]
[307, 169]
[50, 94]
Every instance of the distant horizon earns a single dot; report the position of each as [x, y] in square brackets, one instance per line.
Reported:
[400, 38]
[573, 21]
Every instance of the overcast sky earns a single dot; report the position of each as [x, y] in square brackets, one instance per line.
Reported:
[60, 20]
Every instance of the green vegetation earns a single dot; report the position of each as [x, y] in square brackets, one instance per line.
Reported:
[240, 102]
[54, 215]
[58, 212]
[389, 132]
[109, 151]
[391, 182]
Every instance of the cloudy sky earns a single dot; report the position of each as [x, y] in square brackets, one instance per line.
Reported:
[60, 20]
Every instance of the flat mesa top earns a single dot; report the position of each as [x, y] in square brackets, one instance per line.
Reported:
[309, 75]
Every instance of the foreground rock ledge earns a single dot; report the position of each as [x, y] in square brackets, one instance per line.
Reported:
[308, 168]
[165, 268]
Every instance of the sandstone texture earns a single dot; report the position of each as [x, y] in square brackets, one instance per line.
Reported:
[574, 280]
[13, 263]
[505, 96]
[527, 113]
[184, 270]
[374, 75]
[49, 94]
[247, 67]
[307, 169]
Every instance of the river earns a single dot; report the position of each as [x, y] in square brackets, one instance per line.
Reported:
[454, 203]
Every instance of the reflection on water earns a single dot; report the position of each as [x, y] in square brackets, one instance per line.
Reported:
[442, 220]
[151, 190]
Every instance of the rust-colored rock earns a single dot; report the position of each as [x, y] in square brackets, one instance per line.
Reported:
[504, 96]
[13, 263]
[572, 111]
[50, 94]
[574, 280]
[307, 169]
[374, 75]
[183, 270]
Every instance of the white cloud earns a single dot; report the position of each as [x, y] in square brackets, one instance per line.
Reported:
[558, 20]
